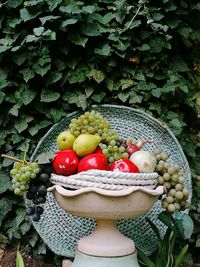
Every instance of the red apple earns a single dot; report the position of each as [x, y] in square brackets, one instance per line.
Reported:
[124, 165]
[65, 162]
[95, 161]
[99, 151]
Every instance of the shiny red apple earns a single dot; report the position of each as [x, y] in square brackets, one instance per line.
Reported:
[65, 162]
[95, 161]
[124, 165]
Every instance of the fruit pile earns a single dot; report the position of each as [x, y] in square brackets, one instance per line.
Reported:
[90, 143]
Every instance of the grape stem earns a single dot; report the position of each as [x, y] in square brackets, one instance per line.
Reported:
[142, 142]
[13, 158]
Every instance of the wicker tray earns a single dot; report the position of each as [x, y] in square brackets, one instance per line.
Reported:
[60, 230]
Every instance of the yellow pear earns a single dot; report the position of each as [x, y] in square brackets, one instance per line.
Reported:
[86, 144]
[65, 140]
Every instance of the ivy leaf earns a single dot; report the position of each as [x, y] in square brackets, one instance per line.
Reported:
[41, 70]
[78, 40]
[13, 22]
[53, 4]
[134, 24]
[31, 38]
[22, 123]
[14, 3]
[27, 74]
[104, 50]
[38, 31]
[26, 15]
[14, 110]
[99, 97]
[156, 92]
[5, 207]
[89, 91]
[5, 183]
[25, 227]
[157, 16]
[49, 96]
[89, 9]
[91, 29]
[107, 18]
[78, 75]
[48, 18]
[45, 157]
[123, 96]
[34, 129]
[53, 77]
[126, 83]
[143, 47]
[2, 95]
[97, 75]
[27, 96]
[68, 22]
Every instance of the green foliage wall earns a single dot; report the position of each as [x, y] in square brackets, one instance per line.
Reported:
[57, 56]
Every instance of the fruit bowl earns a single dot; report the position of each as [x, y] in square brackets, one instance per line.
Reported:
[106, 206]
[127, 122]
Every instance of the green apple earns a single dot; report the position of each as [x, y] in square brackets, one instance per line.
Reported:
[65, 140]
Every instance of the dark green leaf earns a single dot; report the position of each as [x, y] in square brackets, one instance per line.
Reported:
[126, 83]
[48, 18]
[27, 96]
[107, 18]
[68, 22]
[78, 40]
[123, 96]
[27, 74]
[5, 207]
[98, 97]
[91, 29]
[104, 50]
[2, 95]
[97, 75]
[34, 129]
[89, 9]
[25, 227]
[53, 4]
[5, 183]
[49, 96]
[14, 3]
[26, 15]
[143, 47]
[45, 157]
[22, 123]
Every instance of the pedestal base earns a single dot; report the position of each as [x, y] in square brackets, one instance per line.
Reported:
[84, 260]
[106, 241]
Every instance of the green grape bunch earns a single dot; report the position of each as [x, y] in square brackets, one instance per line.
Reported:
[93, 123]
[22, 173]
[172, 178]
[114, 150]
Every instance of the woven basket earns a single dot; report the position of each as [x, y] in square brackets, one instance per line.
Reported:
[60, 230]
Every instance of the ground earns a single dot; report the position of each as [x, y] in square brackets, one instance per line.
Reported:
[8, 259]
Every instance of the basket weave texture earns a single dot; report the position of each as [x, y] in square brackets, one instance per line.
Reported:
[60, 230]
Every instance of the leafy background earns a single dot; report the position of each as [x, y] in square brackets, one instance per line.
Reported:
[59, 56]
